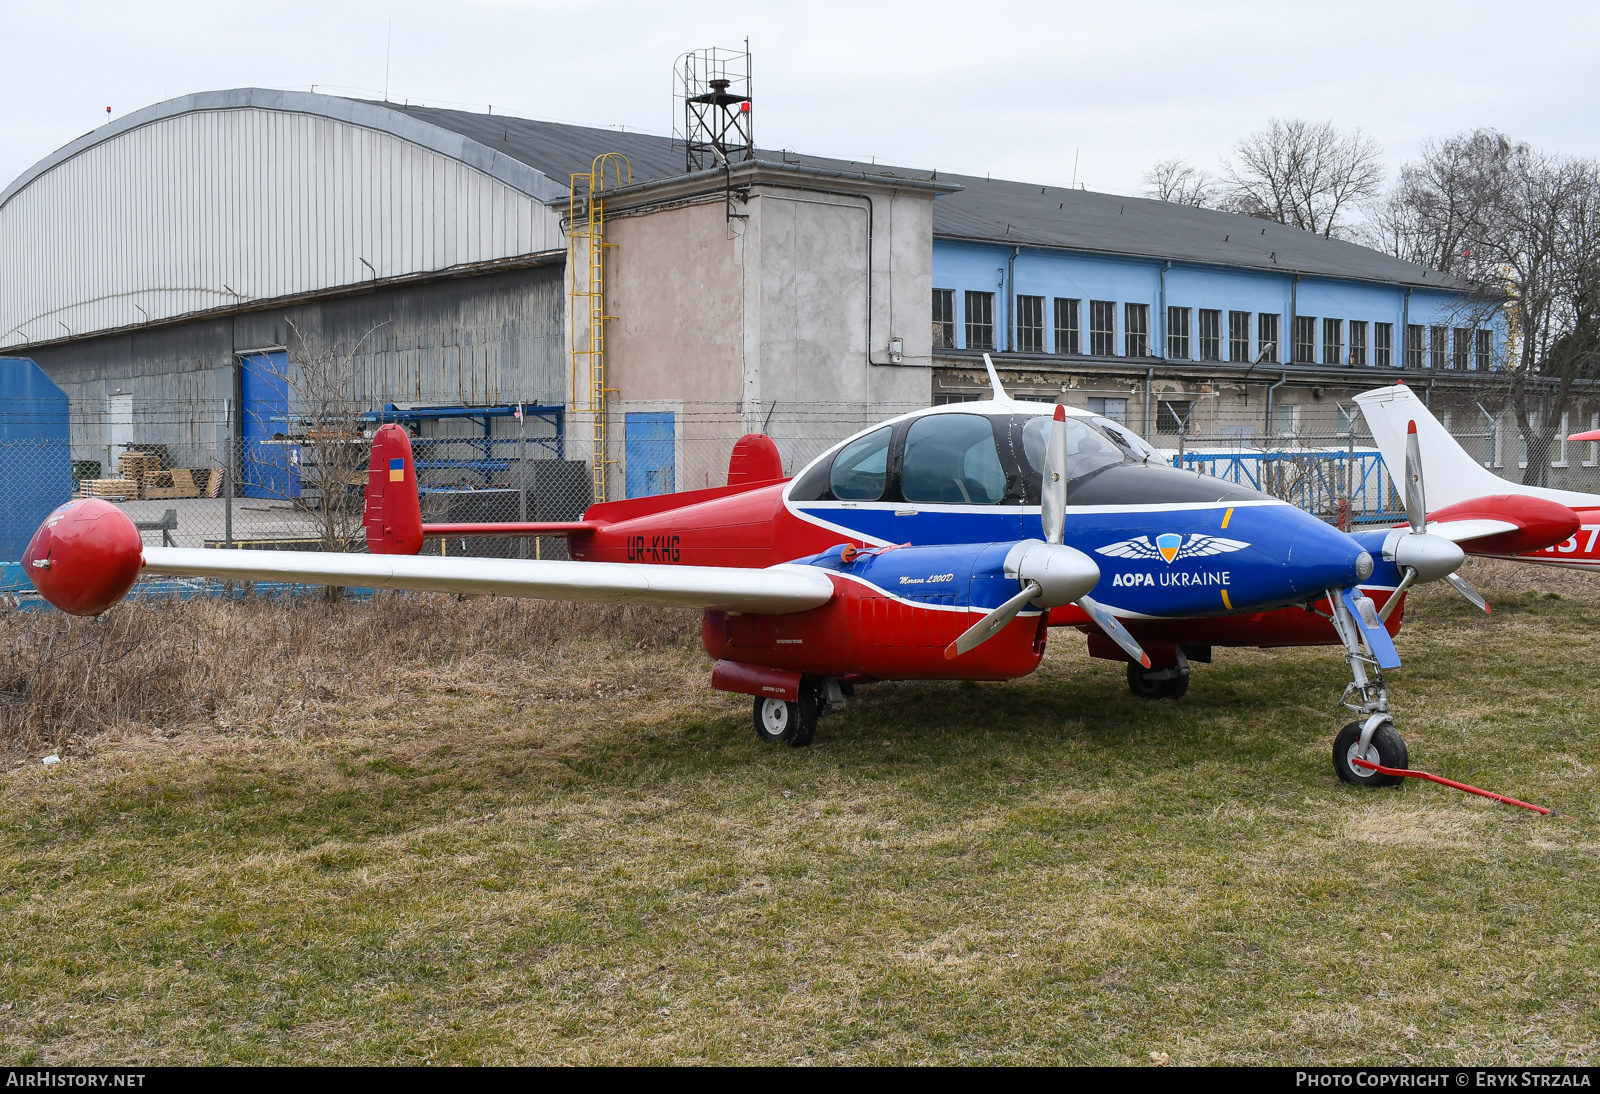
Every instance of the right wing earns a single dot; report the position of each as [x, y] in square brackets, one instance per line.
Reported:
[777, 590]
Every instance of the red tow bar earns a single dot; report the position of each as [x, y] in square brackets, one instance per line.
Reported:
[1409, 774]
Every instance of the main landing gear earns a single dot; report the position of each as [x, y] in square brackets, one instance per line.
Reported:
[779, 720]
[1167, 683]
[1372, 736]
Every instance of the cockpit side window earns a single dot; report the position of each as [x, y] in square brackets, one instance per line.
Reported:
[860, 471]
[1087, 450]
[952, 458]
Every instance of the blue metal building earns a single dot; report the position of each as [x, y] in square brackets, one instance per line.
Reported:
[1054, 281]
[35, 458]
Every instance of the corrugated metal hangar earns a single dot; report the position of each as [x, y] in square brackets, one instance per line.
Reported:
[455, 260]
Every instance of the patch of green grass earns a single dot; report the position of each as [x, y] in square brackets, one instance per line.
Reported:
[584, 855]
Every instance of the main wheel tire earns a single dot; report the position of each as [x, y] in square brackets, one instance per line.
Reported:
[1140, 683]
[805, 727]
[775, 720]
[1387, 748]
[780, 720]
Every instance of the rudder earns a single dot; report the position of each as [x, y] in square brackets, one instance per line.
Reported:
[393, 516]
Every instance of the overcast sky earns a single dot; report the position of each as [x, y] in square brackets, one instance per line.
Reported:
[1022, 90]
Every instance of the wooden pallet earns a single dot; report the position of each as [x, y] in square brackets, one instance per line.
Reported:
[177, 483]
[138, 466]
[111, 489]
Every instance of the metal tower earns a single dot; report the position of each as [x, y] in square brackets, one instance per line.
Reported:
[714, 87]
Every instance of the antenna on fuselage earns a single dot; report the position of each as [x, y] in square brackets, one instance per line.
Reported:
[1000, 395]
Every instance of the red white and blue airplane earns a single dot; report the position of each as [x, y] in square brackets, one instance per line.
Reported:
[937, 545]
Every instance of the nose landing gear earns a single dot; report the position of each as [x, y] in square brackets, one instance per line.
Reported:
[1372, 737]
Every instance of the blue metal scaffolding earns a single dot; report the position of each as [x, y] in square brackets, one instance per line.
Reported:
[1313, 479]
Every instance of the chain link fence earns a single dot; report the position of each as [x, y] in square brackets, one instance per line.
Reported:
[306, 492]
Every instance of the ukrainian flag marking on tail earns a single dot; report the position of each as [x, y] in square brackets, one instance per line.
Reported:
[397, 470]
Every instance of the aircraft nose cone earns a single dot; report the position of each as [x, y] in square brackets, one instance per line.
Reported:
[1321, 558]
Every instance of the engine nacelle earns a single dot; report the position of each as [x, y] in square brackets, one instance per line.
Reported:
[895, 613]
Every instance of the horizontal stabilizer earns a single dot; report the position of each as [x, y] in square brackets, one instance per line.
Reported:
[777, 590]
[510, 528]
[1459, 531]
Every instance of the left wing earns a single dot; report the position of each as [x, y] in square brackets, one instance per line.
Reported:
[777, 590]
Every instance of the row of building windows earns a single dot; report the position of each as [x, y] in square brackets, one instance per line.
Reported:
[1342, 341]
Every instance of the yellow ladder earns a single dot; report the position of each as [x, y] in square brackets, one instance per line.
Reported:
[589, 297]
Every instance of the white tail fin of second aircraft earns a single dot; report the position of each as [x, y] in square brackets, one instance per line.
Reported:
[1451, 474]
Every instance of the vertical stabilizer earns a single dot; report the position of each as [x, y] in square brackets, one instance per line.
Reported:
[1450, 474]
[393, 518]
[755, 459]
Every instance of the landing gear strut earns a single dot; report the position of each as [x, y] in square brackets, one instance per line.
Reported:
[1372, 736]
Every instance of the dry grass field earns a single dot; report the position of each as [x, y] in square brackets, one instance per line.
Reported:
[423, 829]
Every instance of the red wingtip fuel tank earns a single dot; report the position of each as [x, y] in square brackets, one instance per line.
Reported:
[1540, 523]
[393, 517]
[85, 556]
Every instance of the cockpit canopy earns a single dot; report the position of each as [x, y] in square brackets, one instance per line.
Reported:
[959, 459]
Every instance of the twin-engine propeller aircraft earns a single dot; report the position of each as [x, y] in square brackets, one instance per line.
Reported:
[938, 545]
[1526, 523]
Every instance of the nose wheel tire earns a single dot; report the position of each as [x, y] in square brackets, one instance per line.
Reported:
[1141, 683]
[779, 720]
[1386, 748]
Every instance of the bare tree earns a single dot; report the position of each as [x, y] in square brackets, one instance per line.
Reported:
[1305, 174]
[1547, 241]
[322, 459]
[1445, 205]
[1179, 181]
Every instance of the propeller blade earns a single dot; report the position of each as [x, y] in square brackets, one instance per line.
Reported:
[991, 624]
[1053, 494]
[1114, 630]
[1464, 587]
[1406, 581]
[1416, 499]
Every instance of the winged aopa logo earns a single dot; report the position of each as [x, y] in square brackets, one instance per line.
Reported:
[1170, 546]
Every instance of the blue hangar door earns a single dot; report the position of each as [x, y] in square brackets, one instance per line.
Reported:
[269, 465]
[651, 453]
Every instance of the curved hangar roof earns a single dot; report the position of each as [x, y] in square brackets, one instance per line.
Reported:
[220, 199]
[225, 198]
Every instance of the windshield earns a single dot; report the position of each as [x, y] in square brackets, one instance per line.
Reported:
[1087, 451]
